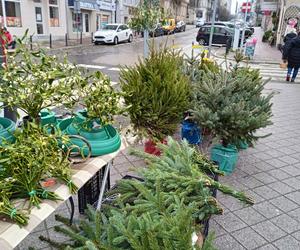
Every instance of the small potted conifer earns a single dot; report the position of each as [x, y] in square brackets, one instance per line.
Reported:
[231, 105]
[156, 93]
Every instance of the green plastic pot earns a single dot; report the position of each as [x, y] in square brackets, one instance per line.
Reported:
[225, 157]
[104, 140]
[47, 117]
[7, 127]
[243, 145]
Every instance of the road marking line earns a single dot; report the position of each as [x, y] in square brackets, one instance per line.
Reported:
[113, 83]
[114, 69]
[88, 66]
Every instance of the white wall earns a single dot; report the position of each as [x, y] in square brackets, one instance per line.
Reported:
[29, 21]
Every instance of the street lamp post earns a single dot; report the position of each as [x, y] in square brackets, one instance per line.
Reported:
[212, 27]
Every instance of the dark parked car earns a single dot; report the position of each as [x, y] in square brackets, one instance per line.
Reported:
[248, 31]
[220, 36]
[180, 26]
[157, 31]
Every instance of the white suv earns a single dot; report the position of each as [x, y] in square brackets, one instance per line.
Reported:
[113, 33]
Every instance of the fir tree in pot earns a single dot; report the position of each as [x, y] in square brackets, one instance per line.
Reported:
[34, 80]
[232, 106]
[101, 103]
[156, 94]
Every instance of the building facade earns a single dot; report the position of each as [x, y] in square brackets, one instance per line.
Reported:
[125, 9]
[40, 17]
[200, 9]
[90, 16]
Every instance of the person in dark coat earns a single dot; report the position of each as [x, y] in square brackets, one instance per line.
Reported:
[291, 54]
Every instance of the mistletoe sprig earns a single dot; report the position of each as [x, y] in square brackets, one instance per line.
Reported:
[99, 98]
[34, 156]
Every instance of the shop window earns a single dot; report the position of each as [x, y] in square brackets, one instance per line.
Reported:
[13, 13]
[104, 20]
[54, 13]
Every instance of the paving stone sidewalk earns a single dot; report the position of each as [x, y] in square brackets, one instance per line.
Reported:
[270, 172]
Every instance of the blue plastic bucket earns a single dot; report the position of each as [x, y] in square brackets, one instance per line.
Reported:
[225, 157]
[191, 132]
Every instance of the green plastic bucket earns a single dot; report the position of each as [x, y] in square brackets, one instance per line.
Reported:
[243, 145]
[225, 157]
[47, 117]
[7, 127]
[104, 140]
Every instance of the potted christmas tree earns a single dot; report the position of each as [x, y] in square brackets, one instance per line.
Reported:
[231, 105]
[101, 103]
[156, 93]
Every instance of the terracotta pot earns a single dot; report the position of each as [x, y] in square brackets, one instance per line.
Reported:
[151, 147]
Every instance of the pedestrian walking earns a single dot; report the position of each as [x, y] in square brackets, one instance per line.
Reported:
[7, 39]
[228, 44]
[291, 56]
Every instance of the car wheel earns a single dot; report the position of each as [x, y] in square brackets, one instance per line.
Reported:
[130, 39]
[184, 29]
[201, 41]
[116, 40]
[96, 43]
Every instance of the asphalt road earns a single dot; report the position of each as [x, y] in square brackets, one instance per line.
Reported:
[109, 58]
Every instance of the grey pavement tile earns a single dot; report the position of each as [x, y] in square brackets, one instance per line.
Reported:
[281, 188]
[250, 182]
[286, 150]
[123, 167]
[284, 204]
[234, 183]
[295, 196]
[132, 158]
[266, 192]
[294, 182]
[257, 198]
[286, 223]
[250, 216]
[119, 160]
[291, 170]
[263, 166]
[287, 243]
[269, 231]
[289, 160]
[264, 178]
[275, 153]
[276, 163]
[139, 163]
[278, 174]
[32, 240]
[267, 209]
[226, 242]
[230, 222]
[267, 247]
[296, 235]
[231, 203]
[114, 179]
[263, 156]
[251, 169]
[216, 228]
[295, 214]
[249, 238]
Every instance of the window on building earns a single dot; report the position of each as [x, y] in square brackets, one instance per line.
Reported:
[13, 13]
[77, 22]
[54, 13]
